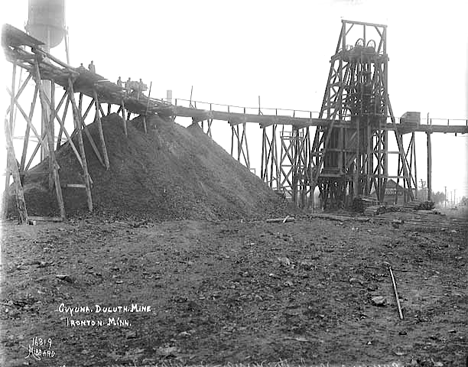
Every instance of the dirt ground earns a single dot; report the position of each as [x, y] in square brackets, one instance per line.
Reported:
[219, 292]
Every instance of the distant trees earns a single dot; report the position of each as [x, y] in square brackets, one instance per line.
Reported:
[438, 197]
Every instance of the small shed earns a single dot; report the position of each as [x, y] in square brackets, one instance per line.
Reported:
[394, 193]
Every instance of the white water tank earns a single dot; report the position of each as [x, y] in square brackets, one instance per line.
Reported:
[46, 21]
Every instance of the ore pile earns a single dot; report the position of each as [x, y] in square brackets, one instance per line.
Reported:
[170, 172]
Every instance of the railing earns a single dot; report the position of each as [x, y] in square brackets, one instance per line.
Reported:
[428, 121]
[245, 110]
[297, 113]
[446, 121]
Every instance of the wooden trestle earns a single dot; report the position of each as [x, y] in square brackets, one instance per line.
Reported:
[296, 151]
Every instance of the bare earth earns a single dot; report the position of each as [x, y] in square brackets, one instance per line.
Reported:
[235, 291]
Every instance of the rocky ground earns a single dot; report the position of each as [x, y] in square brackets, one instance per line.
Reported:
[235, 291]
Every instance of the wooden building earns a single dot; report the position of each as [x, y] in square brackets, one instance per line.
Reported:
[394, 193]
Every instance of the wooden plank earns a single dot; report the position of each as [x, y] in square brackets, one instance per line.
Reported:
[75, 186]
[339, 218]
[281, 220]
[45, 219]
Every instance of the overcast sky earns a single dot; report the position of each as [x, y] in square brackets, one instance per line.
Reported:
[231, 52]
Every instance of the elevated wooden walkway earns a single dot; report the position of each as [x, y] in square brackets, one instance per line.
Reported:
[87, 82]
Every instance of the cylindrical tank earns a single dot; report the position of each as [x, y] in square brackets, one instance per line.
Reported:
[46, 21]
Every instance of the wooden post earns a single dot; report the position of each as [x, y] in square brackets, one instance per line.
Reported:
[239, 143]
[47, 124]
[49, 121]
[357, 168]
[12, 166]
[210, 122]
[101, 133]
[415, 165]
[429, 167]
[78, 127]
[191, 93]
[246, 153]
[80, 104]
[124, 118]
[232, 140]
[147, 107]
[370, 159]
[264, 161]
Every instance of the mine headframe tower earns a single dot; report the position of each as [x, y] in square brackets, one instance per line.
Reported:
[349, 157]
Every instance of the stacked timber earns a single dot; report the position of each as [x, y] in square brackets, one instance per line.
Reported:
[393, 208]
[375, 210]
[419, 205]
[362, 202]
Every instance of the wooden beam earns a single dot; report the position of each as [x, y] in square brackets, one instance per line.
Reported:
[20, 91]
[62, 126]
[90, 105]
[28, 129]
[12, 169]
[90, 138]
[77, 121]
[101, 109]
[144, 124]
[12, 165]
[124, 117]
[26, 117]
[36, 149]
[101, 133]
[429, 167]
[49, 132]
